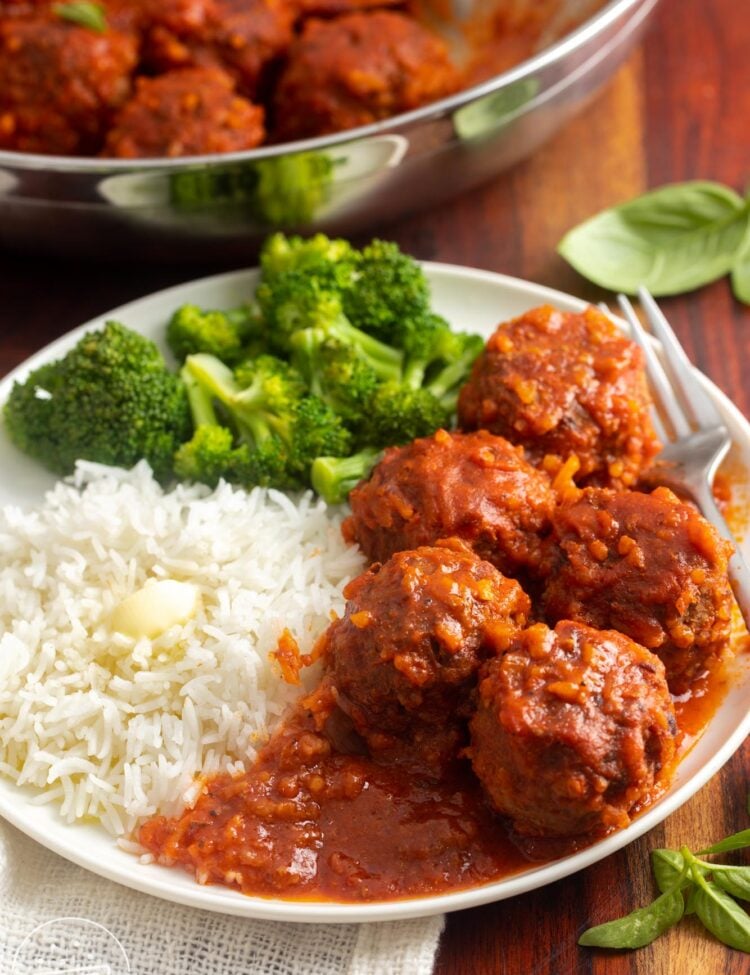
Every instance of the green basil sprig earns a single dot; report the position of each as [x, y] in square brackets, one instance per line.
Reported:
[640, 927]
[687, 885]
[84, 14]
[741, 276]
[671, 240]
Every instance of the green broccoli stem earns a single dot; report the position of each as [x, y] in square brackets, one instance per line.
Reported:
[216, 379]
[201, 403]
[449, 401]
[414, 372]
[334, 477]
[454, 374]
[384, 359]
[306, 345]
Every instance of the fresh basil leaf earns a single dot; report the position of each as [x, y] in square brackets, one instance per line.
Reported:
[690, 902]
[84, 14]
[640, 927]
[734, 880]
[668, 866]
[671, 240]
[737, 841]
[723, 917]
[741, 278]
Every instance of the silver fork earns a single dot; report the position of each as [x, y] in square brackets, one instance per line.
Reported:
[699, 439]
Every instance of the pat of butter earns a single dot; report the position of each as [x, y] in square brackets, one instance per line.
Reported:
[154, 608]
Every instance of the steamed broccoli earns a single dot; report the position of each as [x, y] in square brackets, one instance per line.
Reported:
[359, 328]
[336, 373]
[437, 358]
[276, 428]
[333, 261]
[291, 189]
[294, 300]
[111, 399]
[334, 477]
[389, 288]
[456, 353]
[280, 190]
[211, 455]
[226, 334]
[398, 414]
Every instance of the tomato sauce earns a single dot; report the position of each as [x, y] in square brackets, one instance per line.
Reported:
[316, 819]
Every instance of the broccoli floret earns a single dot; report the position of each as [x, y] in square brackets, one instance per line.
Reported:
[334, 477]
[225, 334]
[283, 428]
[282, 190]
[291, 189]
[270, 379]
[398, 414]
[295, 300]
[389, 288]
[210, 455]
[274, 401]
[336, 373]
[332, 261]
[450, 369]
[111, 399]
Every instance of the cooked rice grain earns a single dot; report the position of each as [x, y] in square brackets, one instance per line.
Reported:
[117, 729]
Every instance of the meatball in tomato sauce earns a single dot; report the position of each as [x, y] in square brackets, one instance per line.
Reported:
[241, 36]
[415, 632]
[60, 83]
[565, 385]
[185, 113]
[474, 486]
[648, 565]
[573, 728]
[358, 69]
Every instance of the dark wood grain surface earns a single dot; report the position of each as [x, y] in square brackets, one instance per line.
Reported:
[679, 109]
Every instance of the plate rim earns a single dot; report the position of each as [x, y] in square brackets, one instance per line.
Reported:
[155, 879]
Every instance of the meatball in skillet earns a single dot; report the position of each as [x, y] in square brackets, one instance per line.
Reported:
[60, 83]
[564, 384]
[474, 486]
[647, 565]
[573, 728]
[185, 113]
[241, 36]
[415, 631]
[358, 69]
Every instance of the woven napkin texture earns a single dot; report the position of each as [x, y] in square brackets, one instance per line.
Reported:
[160, 938]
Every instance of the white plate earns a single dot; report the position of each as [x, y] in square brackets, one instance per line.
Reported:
[469, 299]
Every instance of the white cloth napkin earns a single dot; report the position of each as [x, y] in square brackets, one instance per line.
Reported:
[160, 938]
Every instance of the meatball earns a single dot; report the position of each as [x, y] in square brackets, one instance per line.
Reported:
[185, 113]
[59, 83]
[565, 385]
[414, 634]
[648, 565]
[332, 8]
[474, 486]
[241, 36]
[573, 728]
[358, 69]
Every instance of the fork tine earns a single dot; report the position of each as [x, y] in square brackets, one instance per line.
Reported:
[656, 373]
[700, 405]
[656, 420]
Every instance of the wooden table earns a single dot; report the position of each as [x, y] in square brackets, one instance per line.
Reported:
[680, 109]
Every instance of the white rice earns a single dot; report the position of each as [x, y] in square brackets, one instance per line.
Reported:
[116, 729]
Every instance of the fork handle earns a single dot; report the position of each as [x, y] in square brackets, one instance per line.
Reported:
[739, 574]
